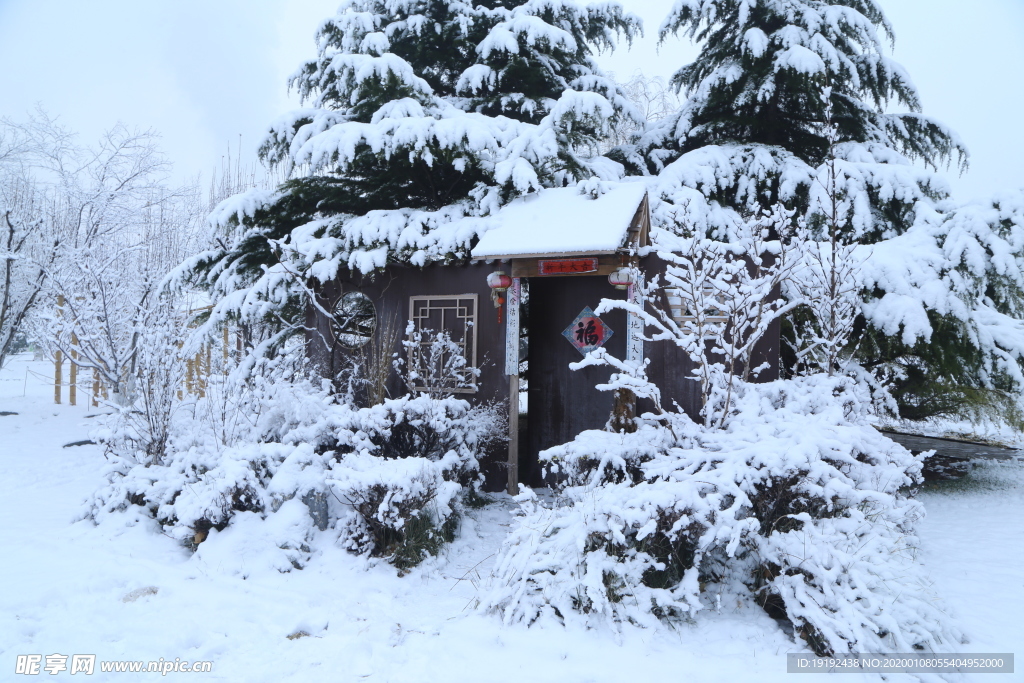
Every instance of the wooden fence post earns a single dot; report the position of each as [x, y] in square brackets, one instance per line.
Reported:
[201, 372]
[58, 359]
[190, 366]
[73, 386]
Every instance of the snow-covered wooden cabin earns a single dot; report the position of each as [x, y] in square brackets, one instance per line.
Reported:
[560, 252]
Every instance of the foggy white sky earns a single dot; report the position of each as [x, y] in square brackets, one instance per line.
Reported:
[203, 73]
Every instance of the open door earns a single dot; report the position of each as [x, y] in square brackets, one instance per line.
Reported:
[564, 402]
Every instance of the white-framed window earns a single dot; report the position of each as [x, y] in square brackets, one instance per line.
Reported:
[443, 327]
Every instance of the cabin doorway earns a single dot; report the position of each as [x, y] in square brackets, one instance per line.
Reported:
[563, 402]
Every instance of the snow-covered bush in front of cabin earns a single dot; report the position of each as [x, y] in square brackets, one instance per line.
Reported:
[403, 509]
[248, 450]
[798, 505]
[782, 494]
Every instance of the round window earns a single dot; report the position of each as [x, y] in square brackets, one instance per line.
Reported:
[355, 319]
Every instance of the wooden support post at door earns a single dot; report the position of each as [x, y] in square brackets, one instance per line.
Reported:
[513, 435]
[512, 370]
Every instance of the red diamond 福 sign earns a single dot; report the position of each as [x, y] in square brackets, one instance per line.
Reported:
[587, 332]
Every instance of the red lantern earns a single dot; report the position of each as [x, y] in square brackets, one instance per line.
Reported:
[621, 278]
[498, 281]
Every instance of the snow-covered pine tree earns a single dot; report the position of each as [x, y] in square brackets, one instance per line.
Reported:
[778, 87]
[420, 113]
[771, 73]
[786, 93]
[962, 355]
[537, 51]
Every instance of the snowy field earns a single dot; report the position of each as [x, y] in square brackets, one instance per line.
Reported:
[125, 592]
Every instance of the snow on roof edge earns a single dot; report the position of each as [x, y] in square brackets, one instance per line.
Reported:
[562, 221]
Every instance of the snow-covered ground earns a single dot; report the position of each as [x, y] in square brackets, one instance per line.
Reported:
[992, 432]
[129, 593]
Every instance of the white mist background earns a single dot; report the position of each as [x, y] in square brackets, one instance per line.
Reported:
[210, 76]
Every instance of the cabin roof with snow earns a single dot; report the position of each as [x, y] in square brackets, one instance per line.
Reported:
[564, 222]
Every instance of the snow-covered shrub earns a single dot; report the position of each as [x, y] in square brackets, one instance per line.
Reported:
[410, 426]
[151, 394]
[401, 468]
[783, 494]
[728, 298]
[436, 363]
[798, 504]
[394, 471]
[200, 489]
[402, 509]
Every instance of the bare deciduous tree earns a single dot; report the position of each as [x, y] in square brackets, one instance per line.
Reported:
[86, 234]
[654, 99]
[715, 302]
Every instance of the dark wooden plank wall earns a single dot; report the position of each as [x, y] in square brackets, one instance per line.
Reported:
[562, 402]
[390, 291]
